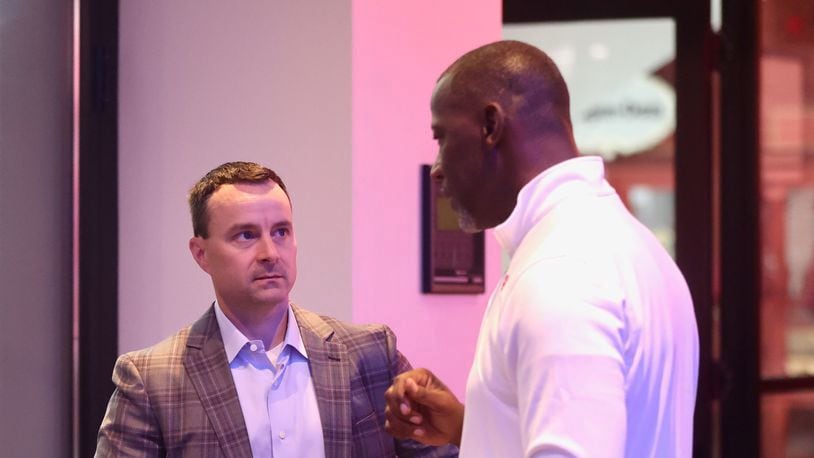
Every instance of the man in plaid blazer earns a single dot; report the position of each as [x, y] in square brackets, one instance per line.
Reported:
[186, 397]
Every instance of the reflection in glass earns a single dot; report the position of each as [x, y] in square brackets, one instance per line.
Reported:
[787, 190]
[655, 208]
[800, 285]
[627, 115]
[788, 425]
[787, 221]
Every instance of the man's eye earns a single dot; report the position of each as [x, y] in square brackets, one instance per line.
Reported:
[281, 232]
[245, 235]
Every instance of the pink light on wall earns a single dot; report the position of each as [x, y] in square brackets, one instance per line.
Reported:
[398, 51]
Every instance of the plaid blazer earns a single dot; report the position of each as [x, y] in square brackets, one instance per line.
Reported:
[177, 398]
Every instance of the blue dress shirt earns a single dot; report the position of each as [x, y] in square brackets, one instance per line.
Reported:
[275, 390]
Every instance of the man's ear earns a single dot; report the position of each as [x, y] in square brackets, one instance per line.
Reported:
[494, 120]
[197, 246]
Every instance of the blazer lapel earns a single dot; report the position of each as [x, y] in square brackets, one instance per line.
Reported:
[330, 373]
[208, 369]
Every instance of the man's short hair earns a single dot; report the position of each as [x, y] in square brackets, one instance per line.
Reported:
[228, 173]
[518, 73]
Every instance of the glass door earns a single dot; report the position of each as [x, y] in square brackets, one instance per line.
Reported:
[628, 115]
[785, 66]
[640, 80]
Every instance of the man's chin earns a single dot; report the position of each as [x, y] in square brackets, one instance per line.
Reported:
[271, 296]
[467, 224]
[471, 229]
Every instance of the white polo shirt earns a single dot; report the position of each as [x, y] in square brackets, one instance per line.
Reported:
[589, 344]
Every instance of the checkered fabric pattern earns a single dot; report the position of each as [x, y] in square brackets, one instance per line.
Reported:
[177, 398]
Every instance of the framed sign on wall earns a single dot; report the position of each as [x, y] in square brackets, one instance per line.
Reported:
[452, 260]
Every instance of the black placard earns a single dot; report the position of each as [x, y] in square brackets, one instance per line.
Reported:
[452, 260]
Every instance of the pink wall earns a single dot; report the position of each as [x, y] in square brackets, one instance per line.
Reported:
[398, 51]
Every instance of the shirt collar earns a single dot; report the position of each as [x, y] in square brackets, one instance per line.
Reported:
[584, 175]
[234, 340]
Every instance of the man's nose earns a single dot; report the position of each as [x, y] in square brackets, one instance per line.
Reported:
[267, 250]
[436, 173]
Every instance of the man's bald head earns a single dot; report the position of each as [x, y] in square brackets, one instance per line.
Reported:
[522, 78]
[500, 115]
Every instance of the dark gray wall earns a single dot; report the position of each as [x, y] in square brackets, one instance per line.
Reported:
[35, 227]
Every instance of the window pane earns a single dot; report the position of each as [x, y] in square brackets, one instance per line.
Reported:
[788, 425]
[787, 187]
[627, 115]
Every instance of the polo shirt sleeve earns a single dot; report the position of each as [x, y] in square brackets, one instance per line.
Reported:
[564, 331]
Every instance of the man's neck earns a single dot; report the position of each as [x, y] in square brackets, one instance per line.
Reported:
[267, 324]
[540, 153]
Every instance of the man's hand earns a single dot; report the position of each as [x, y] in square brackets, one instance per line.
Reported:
[422, 408]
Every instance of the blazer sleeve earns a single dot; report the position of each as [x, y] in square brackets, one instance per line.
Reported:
[406, 447]
[130, 427]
